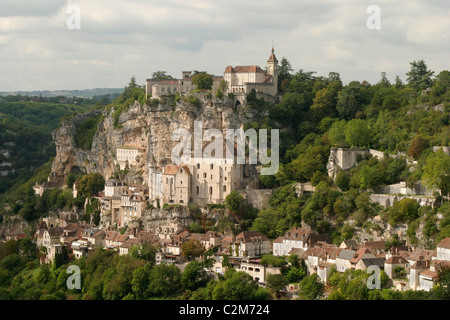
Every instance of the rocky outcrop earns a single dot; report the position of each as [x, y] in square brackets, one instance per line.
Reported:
[149, 126]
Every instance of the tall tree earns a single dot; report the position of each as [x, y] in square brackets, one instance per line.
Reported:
[419, 76]
[284, 72]
[436, 171]
[161, 75]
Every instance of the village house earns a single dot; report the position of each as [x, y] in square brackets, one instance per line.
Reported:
[443, 250]
[16, 233]
[129, 155]
[324, 270]
[343, 260]
[392, 262]
[95, 237]
[250, 244]
[361, 253]
[301, 238]
[376, 247]
[366, 262]
[209, 240]
[256, 270]
[124, 249]
[80, 248]
[349, 244]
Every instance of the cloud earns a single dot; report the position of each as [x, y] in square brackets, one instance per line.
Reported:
[119, 39]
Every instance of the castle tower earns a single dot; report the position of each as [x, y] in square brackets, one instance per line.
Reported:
[272, 68]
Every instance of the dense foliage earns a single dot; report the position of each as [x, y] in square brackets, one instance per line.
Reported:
[25, 136]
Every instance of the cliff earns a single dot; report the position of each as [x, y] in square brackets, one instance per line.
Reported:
[148, 125]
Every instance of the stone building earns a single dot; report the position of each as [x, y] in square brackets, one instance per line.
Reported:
[250, 244]
[242, 79]
[201, 183]
[128, 155]
[158, 88]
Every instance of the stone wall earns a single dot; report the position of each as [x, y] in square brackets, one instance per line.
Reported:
[387, 200]
[257, 198]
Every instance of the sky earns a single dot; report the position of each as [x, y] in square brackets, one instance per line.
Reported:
[47, 45]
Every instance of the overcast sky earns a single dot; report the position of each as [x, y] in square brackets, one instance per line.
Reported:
[119, 39]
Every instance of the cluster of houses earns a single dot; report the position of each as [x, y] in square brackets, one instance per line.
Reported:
[407, 267]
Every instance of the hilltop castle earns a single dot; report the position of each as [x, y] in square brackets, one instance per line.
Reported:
[240, 80]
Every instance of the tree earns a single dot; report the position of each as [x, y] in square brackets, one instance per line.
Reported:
[436, 171]
[357, 133]
[419, 77]
[403, 211]
[203, 81]
[238, 286]
[276, 282]
[418, 145]
[10, 247]
[192, 249]
[234, 201]
[325, 101]
[343, 180]
[349, 100]
[144, 251]
[284, 71]
[140, 282]
[311, 288]
[91, 184]
[164, 280]
[161, 75]
[337, 134]
[193, 276]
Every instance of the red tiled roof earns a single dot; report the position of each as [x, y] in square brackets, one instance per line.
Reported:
[244, 69]
[249, 236]
[396, 260]
[173, 169]
[445, 243]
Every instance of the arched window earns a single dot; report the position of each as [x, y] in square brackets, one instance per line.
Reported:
[204, 175]
[210, 190]
[212, 166]
[198, 189]
[224, 188]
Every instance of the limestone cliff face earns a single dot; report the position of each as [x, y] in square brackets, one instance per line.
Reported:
[148, 126]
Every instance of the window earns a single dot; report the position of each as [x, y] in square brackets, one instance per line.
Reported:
[181, 182]
[198, 165]
[224, 188]
[211, 177]
[204, 175]
[210, 190]
[198, 189]
[212, 166]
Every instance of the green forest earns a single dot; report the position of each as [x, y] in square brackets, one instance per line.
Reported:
[25, 135]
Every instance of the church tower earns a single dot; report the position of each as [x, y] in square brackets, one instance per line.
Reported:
[272, 68]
